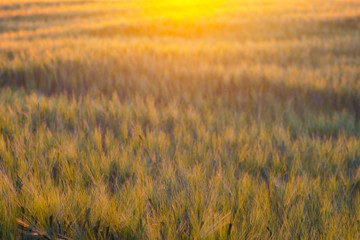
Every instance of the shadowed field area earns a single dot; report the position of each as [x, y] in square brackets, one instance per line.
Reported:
[234, 119]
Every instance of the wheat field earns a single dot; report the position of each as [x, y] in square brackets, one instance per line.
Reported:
[232, 119]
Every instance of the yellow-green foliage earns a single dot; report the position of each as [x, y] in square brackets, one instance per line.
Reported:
[130, 120]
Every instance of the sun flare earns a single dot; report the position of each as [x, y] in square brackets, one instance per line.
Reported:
[182, 9]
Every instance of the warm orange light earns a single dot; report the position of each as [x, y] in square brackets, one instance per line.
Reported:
[182, 9]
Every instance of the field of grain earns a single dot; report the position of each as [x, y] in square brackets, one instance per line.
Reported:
[226, 119]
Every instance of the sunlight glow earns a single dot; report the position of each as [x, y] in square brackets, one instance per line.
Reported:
[182, 9]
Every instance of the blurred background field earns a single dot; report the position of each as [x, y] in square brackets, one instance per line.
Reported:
[233, 119]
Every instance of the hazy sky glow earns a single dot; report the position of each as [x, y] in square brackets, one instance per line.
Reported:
[185, 10]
